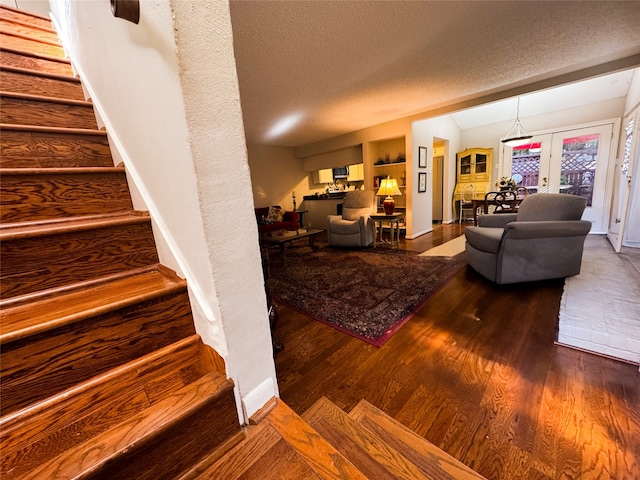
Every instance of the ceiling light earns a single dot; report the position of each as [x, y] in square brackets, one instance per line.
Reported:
[517, 135]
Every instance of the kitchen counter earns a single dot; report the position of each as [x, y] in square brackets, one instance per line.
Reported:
[326, 196]
[318, 207]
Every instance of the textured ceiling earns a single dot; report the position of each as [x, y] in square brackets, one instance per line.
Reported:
[312, 70]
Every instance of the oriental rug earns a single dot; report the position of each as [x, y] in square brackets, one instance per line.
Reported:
[368, 293]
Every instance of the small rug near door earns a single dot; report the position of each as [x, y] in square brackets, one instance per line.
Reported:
[448, 249]
[368, 293]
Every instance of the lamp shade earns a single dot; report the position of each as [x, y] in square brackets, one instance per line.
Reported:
[389, 187]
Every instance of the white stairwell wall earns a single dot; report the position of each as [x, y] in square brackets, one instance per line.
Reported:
[176, 122]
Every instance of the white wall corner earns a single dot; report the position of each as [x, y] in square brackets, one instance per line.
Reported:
[258, 397]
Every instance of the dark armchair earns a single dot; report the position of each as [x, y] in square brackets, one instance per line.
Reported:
[543, 240]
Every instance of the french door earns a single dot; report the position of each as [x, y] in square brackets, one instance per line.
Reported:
[572, 162]
[624, 224]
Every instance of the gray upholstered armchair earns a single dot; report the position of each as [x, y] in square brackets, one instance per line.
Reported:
[353, 228]
[543, 240]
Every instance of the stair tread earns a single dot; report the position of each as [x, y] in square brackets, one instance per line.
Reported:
[26, 31]
[319, 454]
[11, 12]
[38, 73]
[43, 56]
[368, 453]
[266, 456]
[45, 99]
[38, 316]
[120, 439]
[35, 228]
[45, 28]
[59, 170]
[47, 129]
[429, 458]
[87, 409]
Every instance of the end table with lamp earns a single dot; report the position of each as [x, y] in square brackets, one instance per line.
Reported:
[394, 224]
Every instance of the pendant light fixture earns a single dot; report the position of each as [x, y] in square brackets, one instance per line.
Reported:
[517, 135]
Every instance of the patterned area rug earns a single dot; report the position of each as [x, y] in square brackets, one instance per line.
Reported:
[368, 293]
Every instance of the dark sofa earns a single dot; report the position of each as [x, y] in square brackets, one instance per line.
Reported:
[289, 221]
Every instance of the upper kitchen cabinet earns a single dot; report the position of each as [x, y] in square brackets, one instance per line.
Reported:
[323, 176]
[356, 173]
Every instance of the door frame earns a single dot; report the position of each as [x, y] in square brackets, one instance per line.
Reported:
[504, 168]
[625, 187]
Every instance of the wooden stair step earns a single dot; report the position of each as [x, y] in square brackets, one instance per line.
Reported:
[369, 454]
[8, 12]
[41, 256]
[86, 344]
[25, 146]
[81, 301]
[20, 80]
[19, 27]
[263, 454]
[20, 42]
[34, 61]
[40, 194]
[44, 430]
[26, 109]
[430, 459]
[320, 455]
[281, 447]
[158, 443]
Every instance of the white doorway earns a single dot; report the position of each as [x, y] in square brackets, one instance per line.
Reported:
[573, 161]
[438, 181]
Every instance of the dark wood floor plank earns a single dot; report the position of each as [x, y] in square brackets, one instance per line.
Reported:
[479, 360]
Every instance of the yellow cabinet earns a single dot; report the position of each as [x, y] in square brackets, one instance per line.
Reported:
[323, 176]
[473, 167]
[356, 173]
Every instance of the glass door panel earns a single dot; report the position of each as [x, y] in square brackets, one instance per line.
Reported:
[573, 162]
[530, 164]
[578, 166]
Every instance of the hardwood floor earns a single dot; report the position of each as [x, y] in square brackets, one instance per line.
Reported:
[476, 373]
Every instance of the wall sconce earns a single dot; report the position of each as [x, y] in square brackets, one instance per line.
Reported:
[126, 9]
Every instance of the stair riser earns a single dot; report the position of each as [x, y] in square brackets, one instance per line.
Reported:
[166, 456]
[35, 63]
[46, 364]
[22, 149]
[47, 114]
[32, 46]
[18, 82]
[33, 264]
[41, 197]
[23, 17]
[34, 439]
[16, 28]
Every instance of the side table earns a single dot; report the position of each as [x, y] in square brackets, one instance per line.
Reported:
[394, 225]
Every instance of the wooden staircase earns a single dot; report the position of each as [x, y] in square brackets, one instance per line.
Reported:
[103, 375]
[327, 443]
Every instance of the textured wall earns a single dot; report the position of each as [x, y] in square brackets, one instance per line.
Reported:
[177, 125]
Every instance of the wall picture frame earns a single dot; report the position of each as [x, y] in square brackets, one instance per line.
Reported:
[422, 157]
[422, 182]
